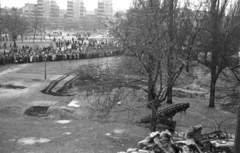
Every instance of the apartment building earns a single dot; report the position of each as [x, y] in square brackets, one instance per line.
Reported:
[75, 9]
[29, 11]
[47, 9]
[104, 8]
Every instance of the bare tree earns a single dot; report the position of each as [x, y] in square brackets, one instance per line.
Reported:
[171, 31]
[14, 23]
[237, 133]
[143, 33]
[23, 26]
[36, 21]
[220, 38]
[192, 20]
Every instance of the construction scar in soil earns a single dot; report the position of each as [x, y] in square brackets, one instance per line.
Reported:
[11, 86]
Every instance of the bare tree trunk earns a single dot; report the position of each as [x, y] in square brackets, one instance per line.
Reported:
[214, 77]
[214, 30]
[152, 95]
[169, 96]
[212, 93]
[154, 118]
[237, 133]
[22, 37]
[151, 98]
[187, 66]
[34, 34]
[170, 55]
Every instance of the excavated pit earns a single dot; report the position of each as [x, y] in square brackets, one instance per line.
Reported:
[11, 86]
[36, 111]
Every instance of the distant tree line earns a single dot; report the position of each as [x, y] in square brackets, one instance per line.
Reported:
[12, 23]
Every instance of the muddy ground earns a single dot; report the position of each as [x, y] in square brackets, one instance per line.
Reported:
[76, 130]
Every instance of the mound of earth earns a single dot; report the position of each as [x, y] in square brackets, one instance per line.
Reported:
[58, 113]
[61, 113]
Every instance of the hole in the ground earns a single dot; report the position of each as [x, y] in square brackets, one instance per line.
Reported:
[11, 86]
[37, 111]
[37, 80]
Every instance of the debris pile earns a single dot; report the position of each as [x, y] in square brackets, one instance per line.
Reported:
[193, 141]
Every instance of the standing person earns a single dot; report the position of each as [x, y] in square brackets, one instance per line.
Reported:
[5, 45]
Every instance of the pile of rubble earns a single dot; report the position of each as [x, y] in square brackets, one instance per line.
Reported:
[190, 142]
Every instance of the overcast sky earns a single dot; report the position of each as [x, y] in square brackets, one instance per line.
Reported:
[89, 4]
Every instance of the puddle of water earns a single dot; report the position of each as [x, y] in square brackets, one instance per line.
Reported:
[74, 103]
[32, 140]
[63, 121]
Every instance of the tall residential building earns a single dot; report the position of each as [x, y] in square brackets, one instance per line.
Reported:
[47, 9]
[29, 11]
[105, 8]
[75, 9]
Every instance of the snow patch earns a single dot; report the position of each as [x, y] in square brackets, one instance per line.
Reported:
[108, 134]
[63, 121]
[74, 103]
[67, 133]
[32, 140]
[119, 131]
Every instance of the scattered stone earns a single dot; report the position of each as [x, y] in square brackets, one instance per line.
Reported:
[143, 151]
[132, 150]
[144, 142]
[222, 143]
[194, 133]
[32, 140]
[192, 141]
[63, 121]
[154, 134]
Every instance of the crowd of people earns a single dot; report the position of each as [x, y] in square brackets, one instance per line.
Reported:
[81, 48]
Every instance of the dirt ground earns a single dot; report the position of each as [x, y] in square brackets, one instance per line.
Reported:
[81, 133]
